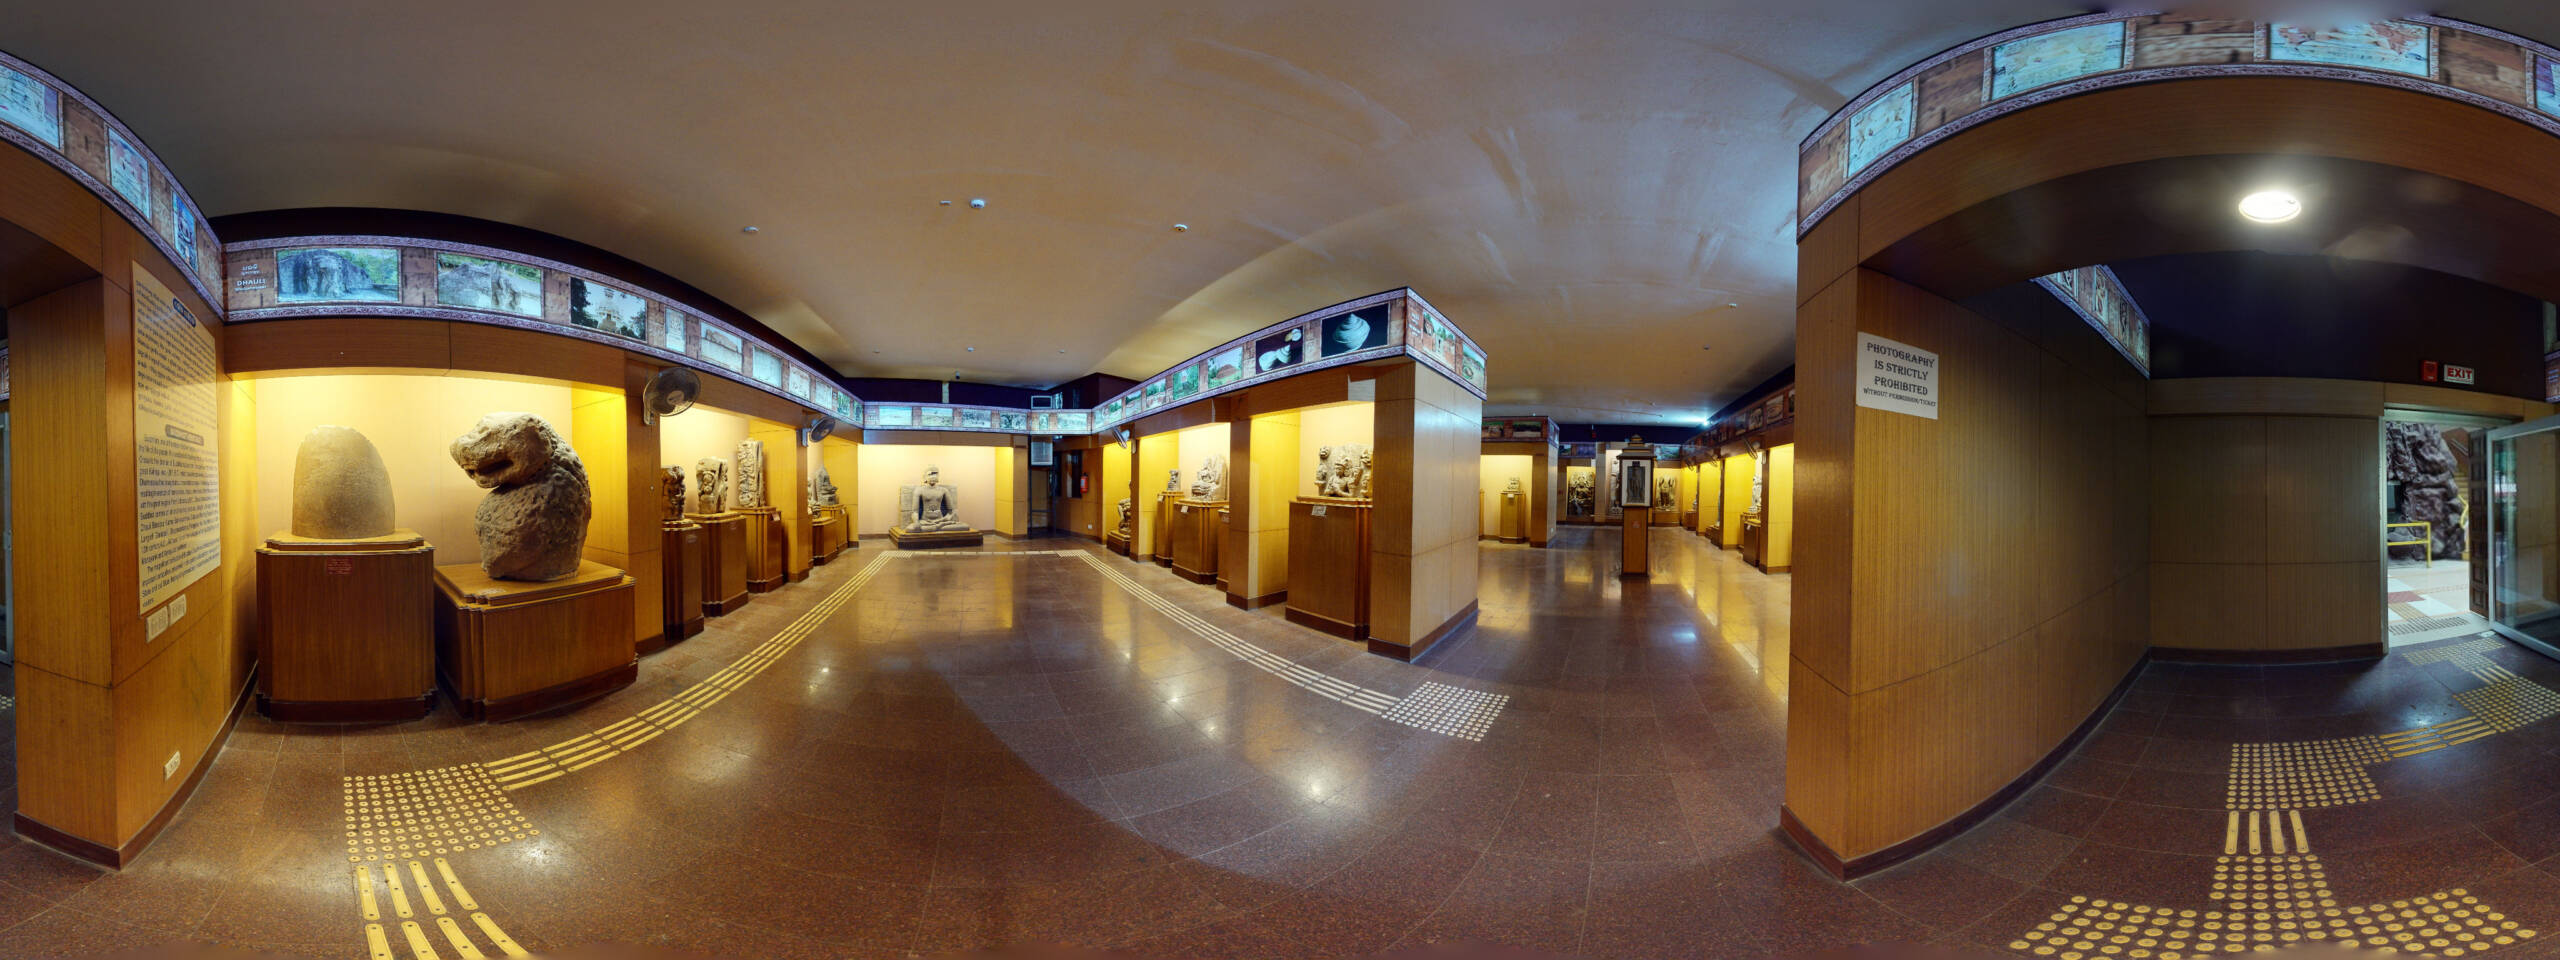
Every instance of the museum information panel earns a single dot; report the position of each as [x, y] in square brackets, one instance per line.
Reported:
[176, 467]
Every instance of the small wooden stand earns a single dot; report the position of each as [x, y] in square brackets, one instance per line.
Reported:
[1199, 528]
[724, 561]
[1715, 534]
[681, 545]
[1755, 542]
[346, 629]
[937, 538]
[826, 535]
[511, 648]
[1635, 547]
[767, 570]
[1514, 528]
[1163, 547]
[1329, 565]
[1116, 542]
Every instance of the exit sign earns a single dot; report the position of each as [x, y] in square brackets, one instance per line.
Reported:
[2461, 375]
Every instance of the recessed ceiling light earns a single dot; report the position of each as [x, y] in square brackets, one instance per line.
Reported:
[2271, 206]
[747, 230]
[1732, 305]
[977, 203]
[946, 203]
[970, 349]
[1181, 228]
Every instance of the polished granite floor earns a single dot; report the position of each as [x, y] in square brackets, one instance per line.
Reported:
[1042, 743]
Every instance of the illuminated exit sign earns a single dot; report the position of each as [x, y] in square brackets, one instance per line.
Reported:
[2461, 375]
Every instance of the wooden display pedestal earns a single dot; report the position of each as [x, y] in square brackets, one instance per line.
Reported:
[1514, 527]
[936, 538]
[767, 570]
[827, 534]
[346, 629]
[1329, 565]
[509, 648]
[1116, 542]
[1715, 534]
[1163, 546]
[1199, 529]
[1635, 549]
[724, 561]
[681, 546]
[1755, 542]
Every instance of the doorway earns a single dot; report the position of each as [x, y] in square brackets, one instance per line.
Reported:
[2429, 493]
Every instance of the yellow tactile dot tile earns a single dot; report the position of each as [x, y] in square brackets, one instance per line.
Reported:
[428, 813]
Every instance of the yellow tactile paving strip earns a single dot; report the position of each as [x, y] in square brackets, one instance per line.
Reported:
[429, 813]
[377, 886]
[2450, 923]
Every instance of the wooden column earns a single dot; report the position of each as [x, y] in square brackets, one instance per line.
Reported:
[1429, 454]
[621, 456]
[786, 489]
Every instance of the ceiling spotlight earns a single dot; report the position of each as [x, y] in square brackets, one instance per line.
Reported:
[748, 229]
[1731, 305]
[970, 349]
[977, 203]
[1181, 228]
[2271, 206]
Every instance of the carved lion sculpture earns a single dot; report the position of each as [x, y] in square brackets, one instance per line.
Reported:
[533, 524]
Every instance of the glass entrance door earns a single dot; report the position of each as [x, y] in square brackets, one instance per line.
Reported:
[2524, 533]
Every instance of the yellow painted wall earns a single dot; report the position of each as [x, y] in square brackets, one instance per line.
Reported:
[1155, 455]
[686, 438]
[1197, 445]
[1112, 484]
[1781, 512]
[1332, 424]
[1275, 440]
[887, 466]
[1737, 495]
[1012, 475]
[1499, 469]
[413, 421]
[843, 459]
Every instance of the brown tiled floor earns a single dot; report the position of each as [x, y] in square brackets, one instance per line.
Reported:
[977, 751]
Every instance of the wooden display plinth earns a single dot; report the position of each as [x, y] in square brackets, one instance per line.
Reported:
[937, 538]
[1635, 548]
[826, 537]
[724, 561]
[346, 629]
[1116, 542]
[1715, 534]
[767, 570]
[680, 548]
[1162, 549]
[1329, 565]
[1199, 530]
[1514, 527]
[511, 648]
[1755, 542]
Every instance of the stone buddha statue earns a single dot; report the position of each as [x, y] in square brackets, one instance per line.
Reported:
[929, 507]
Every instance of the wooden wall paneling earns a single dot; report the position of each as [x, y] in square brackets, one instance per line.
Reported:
[1818, 764]
[1332, 385]
[2211, 606]
[2324, 605]
[729, 395]
[334, 344]
[59, 408]
[2409, 396]
[2234, 396]
[504, 350]
[2208, 489]
[66, 745]
[175, 704]
[38, 198]
[1826, 418]
[2323, 496]
[1828, 252]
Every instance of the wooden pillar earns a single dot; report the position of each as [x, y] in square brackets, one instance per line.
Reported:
[786, 489]
[621, 457]
[1422, 553]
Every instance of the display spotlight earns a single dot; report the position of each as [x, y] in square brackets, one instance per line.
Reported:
[2271, 206]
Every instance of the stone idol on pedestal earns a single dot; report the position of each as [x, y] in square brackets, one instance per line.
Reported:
[680, 547]
[929, 516]
[1199, 523]
[829, 533]
[723, 574]
[767, 567]
[346, 630]
[534, 625]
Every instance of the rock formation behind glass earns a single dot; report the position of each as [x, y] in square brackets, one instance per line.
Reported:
[533, 523]
[341, 491]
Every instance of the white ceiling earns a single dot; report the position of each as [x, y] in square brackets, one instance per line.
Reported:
[1583, 186]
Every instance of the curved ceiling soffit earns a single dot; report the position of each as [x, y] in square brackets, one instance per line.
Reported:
[1960, 88]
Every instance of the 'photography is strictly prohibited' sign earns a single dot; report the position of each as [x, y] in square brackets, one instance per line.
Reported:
[1897, 377]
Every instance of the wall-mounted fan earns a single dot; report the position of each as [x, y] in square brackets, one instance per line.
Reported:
[670, 392]
[820, 428]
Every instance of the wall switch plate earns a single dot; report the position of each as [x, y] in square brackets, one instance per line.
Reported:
[170, 769]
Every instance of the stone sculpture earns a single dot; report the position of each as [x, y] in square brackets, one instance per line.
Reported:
[1666, 493]
[341, 491]
[533, 523]
[1173, 480]
[929, 507]
[1513, 486]
[1211, 482]
[671, 485]
[1342, 470]
[1125, 516]
[710, 484]
[822, 489]
[1577, 495]
[750, 474]
[2425, 467]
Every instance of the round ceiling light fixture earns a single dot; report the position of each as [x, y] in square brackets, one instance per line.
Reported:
[2271, 206]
